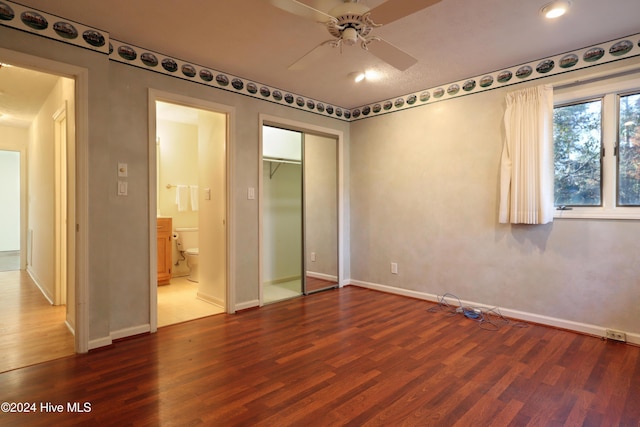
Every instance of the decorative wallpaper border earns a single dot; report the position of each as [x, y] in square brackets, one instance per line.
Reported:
[154, 61]
[51, 26]
[625, 47]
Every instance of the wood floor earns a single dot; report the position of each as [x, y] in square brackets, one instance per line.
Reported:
[31, 329]
[351, 357]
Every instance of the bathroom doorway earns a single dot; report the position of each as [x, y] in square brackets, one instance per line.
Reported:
[190, 175]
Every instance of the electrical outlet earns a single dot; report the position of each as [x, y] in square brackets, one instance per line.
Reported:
[616, 335]
[394, 268]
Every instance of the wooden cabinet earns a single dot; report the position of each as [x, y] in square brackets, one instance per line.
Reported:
[165, 250]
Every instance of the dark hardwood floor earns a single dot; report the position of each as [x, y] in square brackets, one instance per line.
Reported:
[342, 357]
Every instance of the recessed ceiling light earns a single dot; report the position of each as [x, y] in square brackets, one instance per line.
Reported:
[555, 9]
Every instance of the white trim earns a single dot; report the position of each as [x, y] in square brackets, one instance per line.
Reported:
[570, 325]
[247, 304]
[230, 112]
[43, 290]
[81, 77]
[128, 332]
[265, 119]
[218, 302]
[99, 342]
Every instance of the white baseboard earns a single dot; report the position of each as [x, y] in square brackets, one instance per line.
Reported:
[570, 325]
[211, 299]
[100, 342]
[43, 291]
[247, 304]
[70, 328]
[129, 332]
[121, 333]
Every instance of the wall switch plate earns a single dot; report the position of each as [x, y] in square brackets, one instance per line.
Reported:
[207, 194]
[251, 193]
[394, 268]
[313, 256]
[122, 188]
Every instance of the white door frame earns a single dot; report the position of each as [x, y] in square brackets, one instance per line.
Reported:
[61, 205]
[268, 120]
[81, 244]
[173, 98]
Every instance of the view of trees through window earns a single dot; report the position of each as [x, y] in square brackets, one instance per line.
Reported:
[629, 151]
[577, 145]
[578, 148]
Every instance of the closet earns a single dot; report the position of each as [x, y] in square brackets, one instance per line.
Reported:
[299, 213]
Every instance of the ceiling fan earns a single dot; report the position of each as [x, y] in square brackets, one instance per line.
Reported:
[352, 22]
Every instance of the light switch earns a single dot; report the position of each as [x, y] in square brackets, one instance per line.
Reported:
[251, 193]
[122, 188]
[122, 170]
[207, 194]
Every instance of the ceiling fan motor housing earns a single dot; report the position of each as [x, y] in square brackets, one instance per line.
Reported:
[352, 22]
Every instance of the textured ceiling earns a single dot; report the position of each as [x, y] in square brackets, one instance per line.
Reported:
[452, 40]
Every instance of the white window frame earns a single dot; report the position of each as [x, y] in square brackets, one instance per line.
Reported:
[608, 90]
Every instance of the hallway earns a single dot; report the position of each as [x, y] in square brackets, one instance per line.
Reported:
[31, 329]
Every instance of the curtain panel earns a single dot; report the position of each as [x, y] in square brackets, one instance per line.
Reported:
[526, 172]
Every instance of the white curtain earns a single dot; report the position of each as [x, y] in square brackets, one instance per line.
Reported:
[526, 173]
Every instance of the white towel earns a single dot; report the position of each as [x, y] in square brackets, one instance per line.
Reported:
[194, 197]
[182, 197]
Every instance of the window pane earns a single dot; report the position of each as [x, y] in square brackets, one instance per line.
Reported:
[629, 151]
[577, 142]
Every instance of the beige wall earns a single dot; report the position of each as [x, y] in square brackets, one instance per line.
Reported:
[178, 165]
[41, 187]
[424, 194]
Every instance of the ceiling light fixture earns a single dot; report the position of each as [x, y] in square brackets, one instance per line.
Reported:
[555, 9]
[357, 76]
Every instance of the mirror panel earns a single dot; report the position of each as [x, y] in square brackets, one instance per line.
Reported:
[320, 212]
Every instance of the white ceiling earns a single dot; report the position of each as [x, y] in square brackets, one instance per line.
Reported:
[453, 40]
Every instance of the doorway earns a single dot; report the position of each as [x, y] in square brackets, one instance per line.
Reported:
[190, 157]
[39, 290]
[300, 227]
[10, 212]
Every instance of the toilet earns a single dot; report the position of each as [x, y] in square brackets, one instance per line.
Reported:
[187, 243]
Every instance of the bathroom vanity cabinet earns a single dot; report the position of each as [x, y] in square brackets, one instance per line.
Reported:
[165, 252]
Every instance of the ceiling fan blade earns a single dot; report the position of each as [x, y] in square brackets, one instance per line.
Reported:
[390, 54]
[392, 10]
[301, 9]
[311, 57]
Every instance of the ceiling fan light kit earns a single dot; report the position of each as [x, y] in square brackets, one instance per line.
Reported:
[555, 9]
[351, 23]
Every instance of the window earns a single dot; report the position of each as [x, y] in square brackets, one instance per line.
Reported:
[596, 132]
[629, 150]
